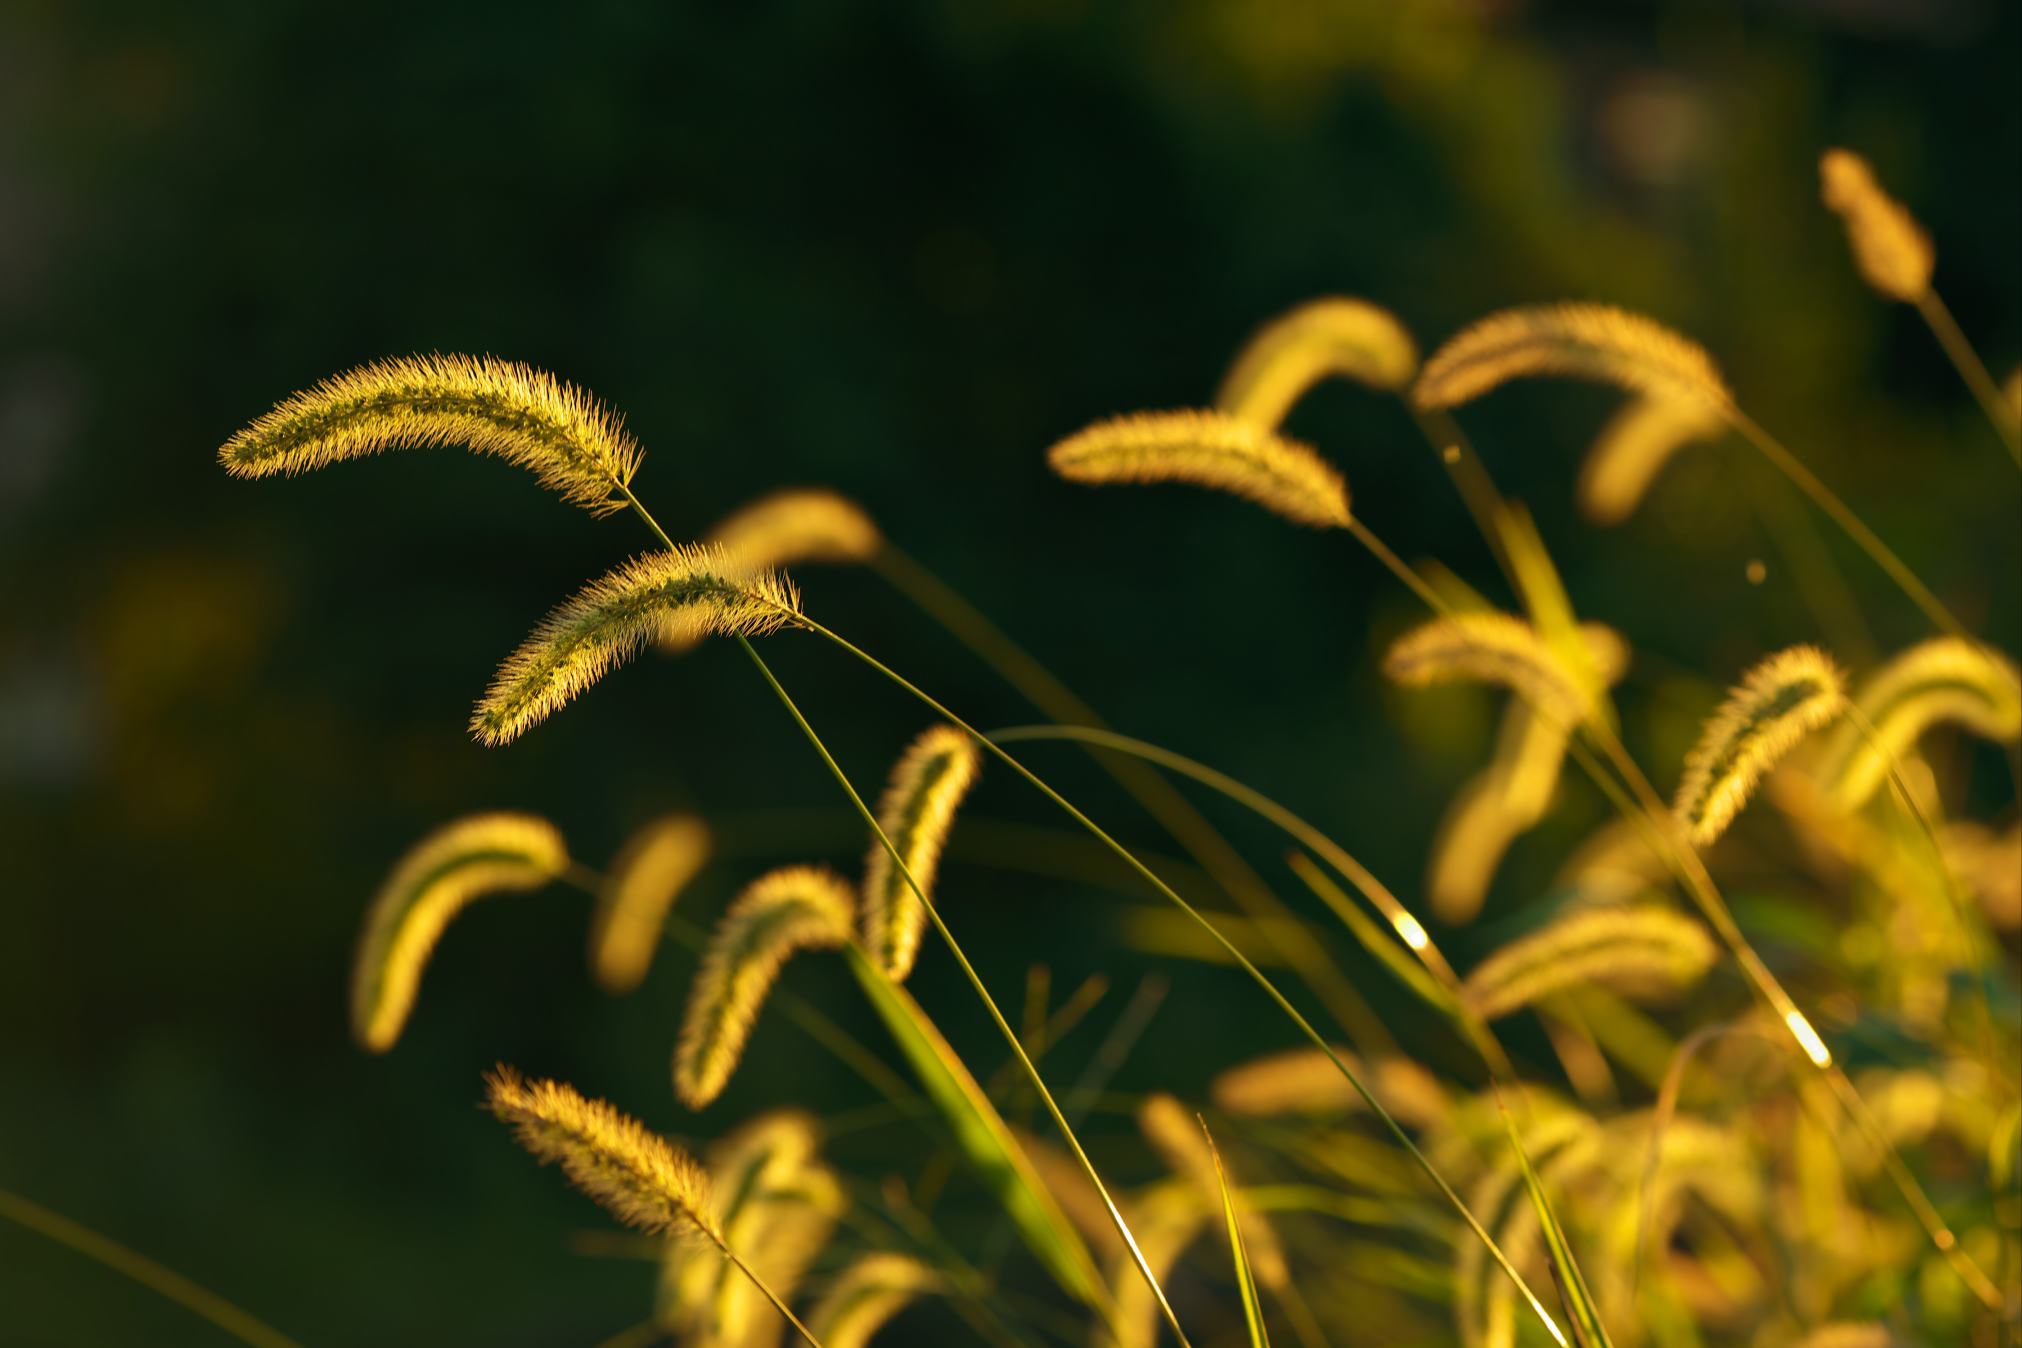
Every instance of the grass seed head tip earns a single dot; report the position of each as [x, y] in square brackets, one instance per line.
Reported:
[571, 442]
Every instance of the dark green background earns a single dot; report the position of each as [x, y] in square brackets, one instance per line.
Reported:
[896, 249]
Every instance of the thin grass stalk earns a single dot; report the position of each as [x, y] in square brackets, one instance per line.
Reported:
[1972, 369]
[1198, 838]
[137, 1267]
[1842, 514]
[1256, 975]
[975, 981]
[750, 1273]
[1470, 475]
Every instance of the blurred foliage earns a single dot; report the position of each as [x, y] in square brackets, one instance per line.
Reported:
[896, 250]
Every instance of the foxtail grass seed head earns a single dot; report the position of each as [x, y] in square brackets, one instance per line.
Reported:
[1167, 1218]
[462, 861]
[1319, 340]
[1176, 1136]
[1892, 251]
[1306, 1081]
[1644, 950]
[1633, 448]
[1595, 342]
[607, 623]
[1209, 449]
[636, 1175]
[649, 874]
[916, 813]
[800, 524]
[571, 442]
[866, 1295]
[1779, 702]
[1947, 680]
[1489, 648]
[787, 910]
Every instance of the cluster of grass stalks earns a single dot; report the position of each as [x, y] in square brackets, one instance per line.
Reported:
[1702, 1137]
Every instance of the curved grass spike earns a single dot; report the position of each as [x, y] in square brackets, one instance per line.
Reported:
[1177, 1136]
[1633, 447]
[647, 877]
[570, 441]
[1643, 949]
[1489, 648]
[1302, 1081]
[1210, 449]
[1581, 341]
[1777, 703]
[1944, 680]
[687, 589]
[799, 524]
[636, 1175]
[1321, 339]
[787, 910]
[1891, 249]
[459, 862]
[917, 810]
[779, 1205]
[1894, 255]
[867, 1294]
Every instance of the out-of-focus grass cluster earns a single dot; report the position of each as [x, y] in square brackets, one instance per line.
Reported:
[1692, 1142]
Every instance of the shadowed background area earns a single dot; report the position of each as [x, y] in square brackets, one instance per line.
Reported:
[897, 250]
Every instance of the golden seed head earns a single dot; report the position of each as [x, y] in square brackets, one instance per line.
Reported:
[1318, 340]
[1210, 449]
[1578, 341]
[649, 874]
[916, 812]
[605, 624]
[1639, 950]
[867, 1294]
[1892, 251]
[1779, 702]
[1633, 448]
[1486, 647]
[1947, 680]
[571, 442]
[459, 862]
[784, 911]
[636, 1175]
[799, 524]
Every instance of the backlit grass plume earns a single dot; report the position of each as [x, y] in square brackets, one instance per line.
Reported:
[1210, 449]
[1640, 950]
[778, 1204]
[572, 443]
[1486, 647]
[1633, 448]
[799, 524]
[1305, 1081]
[1944, 680]
[1579, 341]
[691, 588]
[1892, 251]
[1318, 340]
[783, 911]
[866, 1295]
[1175, 1134]
[655, 865]
[1779, 702]
[636, 1175]
[461, 861]
[916, 812]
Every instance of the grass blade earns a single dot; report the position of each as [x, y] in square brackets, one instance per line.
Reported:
[982, 1134]
[1253, 1306]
